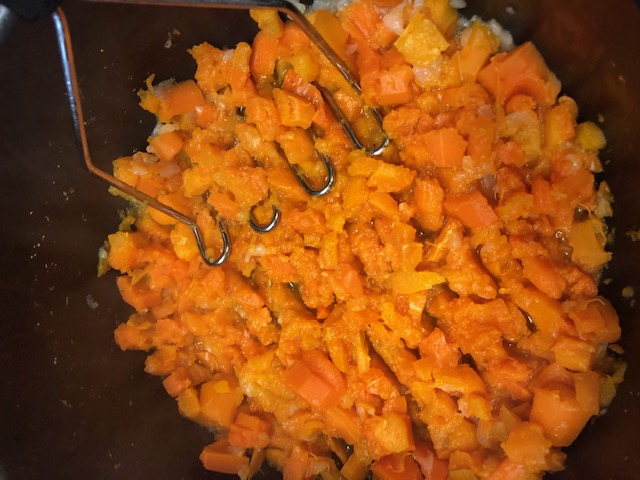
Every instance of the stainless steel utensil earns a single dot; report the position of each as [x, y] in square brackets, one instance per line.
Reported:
[63, 35]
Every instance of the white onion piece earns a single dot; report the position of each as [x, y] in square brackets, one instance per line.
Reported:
[161, 128]
[506, 40]
[138, 169]
[429, 75]
[160, 90]
[169, 169]
[394, 20]
[486, 111]
[147, 158]
[227, 55]
[350, 48]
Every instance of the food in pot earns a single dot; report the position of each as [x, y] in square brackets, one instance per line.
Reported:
[436, 314]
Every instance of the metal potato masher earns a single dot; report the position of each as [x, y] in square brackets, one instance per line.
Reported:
[33, 9]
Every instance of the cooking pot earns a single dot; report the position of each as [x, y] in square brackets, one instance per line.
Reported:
[72, 405]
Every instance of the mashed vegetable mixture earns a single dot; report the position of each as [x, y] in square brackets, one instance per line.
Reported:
[435, 315]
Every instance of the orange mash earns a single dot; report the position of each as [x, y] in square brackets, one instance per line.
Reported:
[435, 315]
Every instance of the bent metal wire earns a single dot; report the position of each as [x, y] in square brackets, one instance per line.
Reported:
[63, 37]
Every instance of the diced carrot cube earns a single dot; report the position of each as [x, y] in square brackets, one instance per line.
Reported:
[219, 400]
[389, 434]
[528, 446]
[432, 467]
[166, 145]
[596, 320]
[521, 70]
[294, 111]
[344, 423]
[397, 467]
[218, 457]
[472, 209]
[188, 403]
[395, 85]
[249, 431]
[556, 410]
[181, 98]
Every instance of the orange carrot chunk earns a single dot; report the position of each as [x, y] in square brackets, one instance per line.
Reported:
[166, 145]
[249, 431]
[181, 98]
[445, 146]
[472, 209]
[557, 411]
[218, 457]
[397, 467]
[521, 70]
[395, 85]
[316, 379]
[432, 467]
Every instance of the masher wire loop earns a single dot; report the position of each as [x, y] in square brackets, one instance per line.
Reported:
[265, 228]
[331, 178]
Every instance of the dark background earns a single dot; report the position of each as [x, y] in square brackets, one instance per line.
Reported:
[72, 405]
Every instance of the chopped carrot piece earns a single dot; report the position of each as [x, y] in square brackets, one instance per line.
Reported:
[541, 273]
[557, 411]
[472, 209]
[249, 431]
[218, 457]
[316, 379]
[297, 464]
[528, 446]
[475, 53]
[397, 467]
[181, 98]
[177, 201]
[123, 250]
[395, 85]
[344, 423]
[546, 312]
[445, 146]
[294, 111]
[521, 70]
[139, 296]
[391, 178]
[587, 245]
[219, 400]
[329, 26]
[188, 403]
[132, 337]
[263, 56]
[574, 354]
[166, 145]
[389, 434]
[596, 320]
[309, 386]
[268, 21]
[431, 466]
